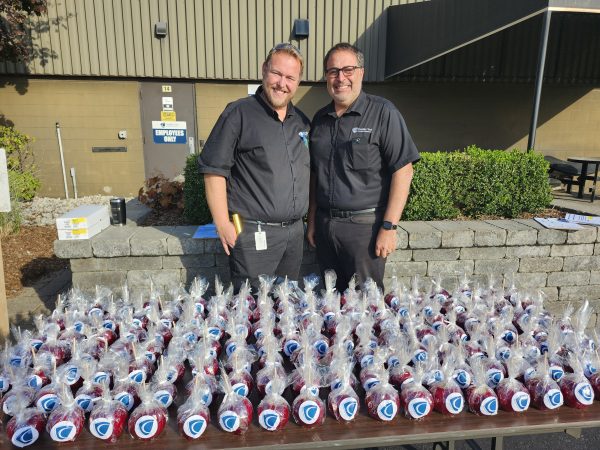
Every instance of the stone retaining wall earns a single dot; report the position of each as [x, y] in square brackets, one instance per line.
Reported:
[564, 265]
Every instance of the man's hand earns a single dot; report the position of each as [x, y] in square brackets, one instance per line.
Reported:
[310, 233]
[385, 243]
[227, 235]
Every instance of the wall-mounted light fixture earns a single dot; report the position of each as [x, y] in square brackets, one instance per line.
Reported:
[160, 29]
[300, 28]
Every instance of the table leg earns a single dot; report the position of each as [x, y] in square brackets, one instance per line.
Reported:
[574, 432]
[497, 443]
[595, 180]
[582, 177]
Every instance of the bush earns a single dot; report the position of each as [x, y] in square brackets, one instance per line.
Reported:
[195, 207]
[478, 182]
[22, 179]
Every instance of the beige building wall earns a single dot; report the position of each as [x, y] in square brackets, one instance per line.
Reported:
[90, 114]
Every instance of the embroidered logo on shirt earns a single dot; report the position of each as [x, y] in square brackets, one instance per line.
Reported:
[361, 130]
[304, 136]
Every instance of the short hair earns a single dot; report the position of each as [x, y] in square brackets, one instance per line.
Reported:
[345, 46]
[289, 49]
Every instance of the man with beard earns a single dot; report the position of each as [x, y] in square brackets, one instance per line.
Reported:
[256, 165]
[361, 171]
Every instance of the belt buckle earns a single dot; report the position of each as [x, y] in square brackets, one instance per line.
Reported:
[346, 214]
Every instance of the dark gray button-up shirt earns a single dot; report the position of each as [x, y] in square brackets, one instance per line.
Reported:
[265, 161]
[355, 155]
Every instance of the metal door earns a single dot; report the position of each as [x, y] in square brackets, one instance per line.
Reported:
[168, 126]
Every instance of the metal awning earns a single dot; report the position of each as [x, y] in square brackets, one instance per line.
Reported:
[421, 32]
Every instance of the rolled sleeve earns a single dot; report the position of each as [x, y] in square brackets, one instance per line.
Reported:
[398, 148]
[218, 155]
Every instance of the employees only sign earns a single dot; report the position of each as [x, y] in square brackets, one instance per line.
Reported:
[169, 132]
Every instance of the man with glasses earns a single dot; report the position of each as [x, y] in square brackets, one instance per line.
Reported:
[361, 170]
[256, 165]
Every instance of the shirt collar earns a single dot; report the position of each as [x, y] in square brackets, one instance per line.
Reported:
[358, 107]
[258, 95]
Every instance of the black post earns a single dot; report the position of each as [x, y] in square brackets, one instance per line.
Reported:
[539, 78]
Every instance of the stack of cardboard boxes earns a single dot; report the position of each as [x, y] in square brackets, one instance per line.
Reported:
[83, 222]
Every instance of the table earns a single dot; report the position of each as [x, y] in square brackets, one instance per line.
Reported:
[583, 176]
[364, 432]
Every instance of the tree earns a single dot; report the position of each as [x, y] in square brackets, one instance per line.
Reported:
[15, 42]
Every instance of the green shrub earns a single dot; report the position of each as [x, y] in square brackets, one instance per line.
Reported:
[195, 207]
[22, 179]
[478, 182]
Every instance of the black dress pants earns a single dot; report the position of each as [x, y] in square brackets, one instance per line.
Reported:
[347, 246]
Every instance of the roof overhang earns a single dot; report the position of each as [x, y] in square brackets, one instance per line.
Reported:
[420, 32]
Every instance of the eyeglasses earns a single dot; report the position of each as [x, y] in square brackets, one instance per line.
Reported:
[348, 71]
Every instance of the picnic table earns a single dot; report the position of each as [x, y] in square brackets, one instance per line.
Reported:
[363, 432]
[583, 176]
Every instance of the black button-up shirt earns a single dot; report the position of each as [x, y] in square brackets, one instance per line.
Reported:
[265, 161]
[355, 155]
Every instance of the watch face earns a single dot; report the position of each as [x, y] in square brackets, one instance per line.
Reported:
[387, 225]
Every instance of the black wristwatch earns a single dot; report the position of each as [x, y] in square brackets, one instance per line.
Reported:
[387, 225]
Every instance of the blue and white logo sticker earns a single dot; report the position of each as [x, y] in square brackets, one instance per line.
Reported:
[489, 406]
[146, 427]
[387, 410]
[4, 384]
[172, 375]
[100, 377]
[25, 436]
[503, 353]
[366, 360]
[126, 398]
[553, 399]
[494, 377]
[335, 384]
[47, 403]
[71, 374]
[194, 426]
[109, 325]
[418, 408]
[403, 311]
[556, 372]
[163, 397]
[34, 381]
[207, 398]
[290, 347]
[150, 356]
[509, 336]
[269, 419]
[101, 428]
[15, 361]
[95, 312]
[36, 344]
[229, 421]
[455, 403]
[309, 412]
[520, 401]
[370, 383]
[85, 402]
[230, 348]
[584, 393]
[419, 355]
[328, 317]
[393, 361]
[321, 346]
[199, 308]
[137, 376]
[313, 390]
[215, 332]
[588, 370]
[63, 431]
[348, 408]
[240, 389]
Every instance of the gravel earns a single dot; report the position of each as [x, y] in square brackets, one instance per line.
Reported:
[45, 210]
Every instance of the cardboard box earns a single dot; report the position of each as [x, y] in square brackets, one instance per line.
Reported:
[81, 233]
[84, 217]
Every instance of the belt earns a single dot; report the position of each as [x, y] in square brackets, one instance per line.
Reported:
[272, 224]
[346, 214]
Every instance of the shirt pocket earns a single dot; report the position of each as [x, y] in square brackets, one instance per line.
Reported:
[359, 154]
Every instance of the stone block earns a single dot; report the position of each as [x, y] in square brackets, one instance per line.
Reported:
[87, 281]
[444, 268]
[181, 242]
[483, 253]
[113, 242]
[446, 254]
[576, 263]
[88, 264]
[545, 236]
[80, 248]
[213, 246]
[401, 238]
[597, 248]
[149, 241]
[486, 235]
[134, 263]
[164, 278]
[454, 233]
[585, 236]
[185, 261]
[569, 278]
[572, 250]
[422, 235]
[595, 277]
[528, 251]
[550, 294]
[516, 233]
[579, 293]
[188, 275]
[400, 255]
[404, 269]
[527, 280]
[546, 264]
[496, 266]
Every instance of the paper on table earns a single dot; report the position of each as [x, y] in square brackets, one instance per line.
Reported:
[558, 224]
[208, 231]
[588, 220]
